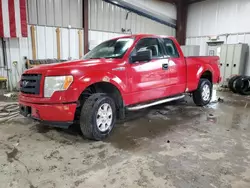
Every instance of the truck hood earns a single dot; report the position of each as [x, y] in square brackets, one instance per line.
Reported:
[79, 65]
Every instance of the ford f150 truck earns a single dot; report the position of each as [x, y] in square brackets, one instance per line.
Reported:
[125, 73]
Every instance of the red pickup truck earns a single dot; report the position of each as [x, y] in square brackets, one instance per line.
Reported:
[125, 73]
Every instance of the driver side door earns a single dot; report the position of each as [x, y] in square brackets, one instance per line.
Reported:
[148, 80]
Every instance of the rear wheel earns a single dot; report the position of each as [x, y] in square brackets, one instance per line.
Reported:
[98, 116]
[202, 96]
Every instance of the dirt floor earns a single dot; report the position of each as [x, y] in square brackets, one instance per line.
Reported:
[174, 145]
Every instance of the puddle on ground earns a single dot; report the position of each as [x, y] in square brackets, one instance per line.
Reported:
[228, 114]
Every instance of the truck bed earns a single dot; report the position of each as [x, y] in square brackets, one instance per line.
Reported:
[195, 67]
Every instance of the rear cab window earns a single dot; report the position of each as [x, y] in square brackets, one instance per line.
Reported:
[170, 48]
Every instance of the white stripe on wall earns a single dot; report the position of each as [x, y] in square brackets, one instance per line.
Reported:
[6, 20]
[17, 18]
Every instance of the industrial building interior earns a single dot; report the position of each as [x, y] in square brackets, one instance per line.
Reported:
[184, 143]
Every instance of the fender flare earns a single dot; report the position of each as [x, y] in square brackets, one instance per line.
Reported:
[107, 77]
[202, 70]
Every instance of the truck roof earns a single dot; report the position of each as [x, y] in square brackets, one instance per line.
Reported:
[144, 35]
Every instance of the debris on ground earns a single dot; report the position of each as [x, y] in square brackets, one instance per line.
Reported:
[246, 105]
[220, 100]
[11, 156]
[211, 118]
[12, 95]
[8, 94]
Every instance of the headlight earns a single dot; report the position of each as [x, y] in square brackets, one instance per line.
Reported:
[56, 83]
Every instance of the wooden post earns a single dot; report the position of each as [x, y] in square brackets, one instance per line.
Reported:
[58, 43]
[33, 41]
[80, 44]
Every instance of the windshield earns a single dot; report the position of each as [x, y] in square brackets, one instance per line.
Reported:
[115, 48]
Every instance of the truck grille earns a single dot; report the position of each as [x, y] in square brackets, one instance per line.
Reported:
[30, 84]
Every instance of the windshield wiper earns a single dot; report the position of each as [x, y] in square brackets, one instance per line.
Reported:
[109, 57]
[94, 58]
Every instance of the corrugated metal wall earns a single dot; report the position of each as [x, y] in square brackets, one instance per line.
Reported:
[107, 21]
[50, 14]
[45, 37]
[16, 50]
[46, 15]
[60, 13]
[107, 17]
[226, 19]
[46, 43]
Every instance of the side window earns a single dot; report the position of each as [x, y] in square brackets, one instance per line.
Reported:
[149, 44]
[170, 48]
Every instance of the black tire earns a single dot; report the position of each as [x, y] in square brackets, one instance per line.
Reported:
[242, 85]
[231, 83]
[197, 94]
[88, 119]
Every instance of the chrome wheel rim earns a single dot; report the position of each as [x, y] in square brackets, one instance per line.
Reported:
[104, 117]
[205, 92]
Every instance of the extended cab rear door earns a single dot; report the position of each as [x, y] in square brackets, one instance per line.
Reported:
[176, 72]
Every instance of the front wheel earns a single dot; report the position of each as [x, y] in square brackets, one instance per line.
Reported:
[98, 116]
[203, 95]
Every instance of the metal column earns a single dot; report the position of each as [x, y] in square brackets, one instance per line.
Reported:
[86, 25]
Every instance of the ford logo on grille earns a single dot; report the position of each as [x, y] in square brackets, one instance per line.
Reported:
[25, 83]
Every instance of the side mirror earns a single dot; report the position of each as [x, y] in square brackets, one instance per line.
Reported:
[145, 55]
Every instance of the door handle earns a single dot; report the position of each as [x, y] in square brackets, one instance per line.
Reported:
[165, 66]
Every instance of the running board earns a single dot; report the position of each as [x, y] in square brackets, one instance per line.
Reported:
[141, 106]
